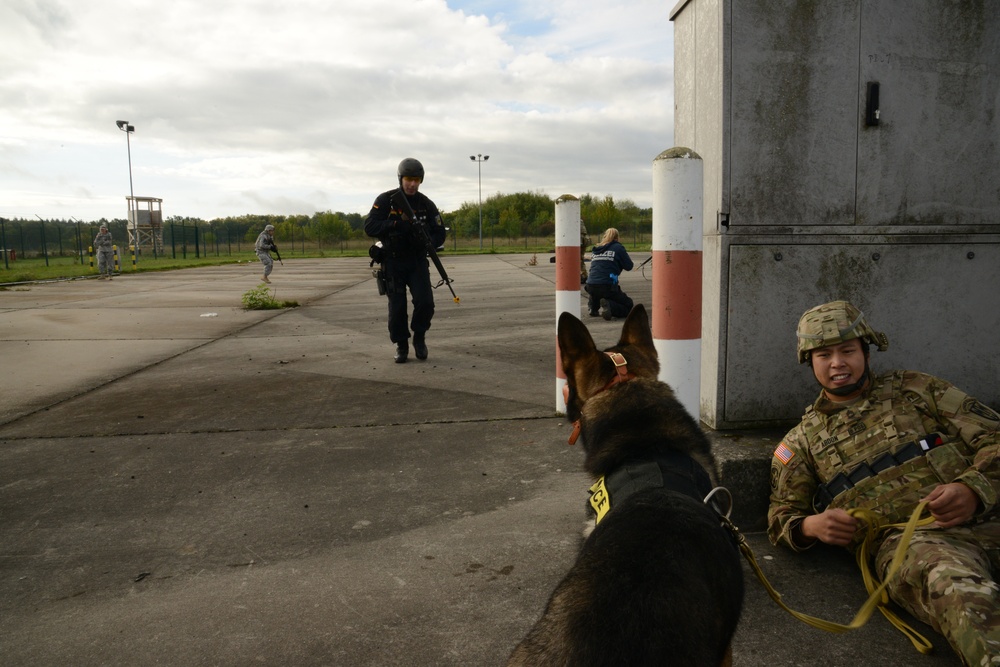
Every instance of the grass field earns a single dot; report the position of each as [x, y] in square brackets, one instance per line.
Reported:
[55, 268]
[37, 268]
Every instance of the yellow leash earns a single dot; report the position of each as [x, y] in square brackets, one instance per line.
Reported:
[878, 598]
[877, 588]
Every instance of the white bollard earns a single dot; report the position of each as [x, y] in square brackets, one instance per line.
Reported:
[567, 276]
[678, 182]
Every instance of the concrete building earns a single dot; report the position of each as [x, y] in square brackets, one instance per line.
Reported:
[850, 151]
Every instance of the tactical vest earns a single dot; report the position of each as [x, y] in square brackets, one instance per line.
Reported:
[883, 424]
[406, 245]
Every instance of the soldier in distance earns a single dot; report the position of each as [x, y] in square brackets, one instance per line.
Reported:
[104, 245]
[263, 248]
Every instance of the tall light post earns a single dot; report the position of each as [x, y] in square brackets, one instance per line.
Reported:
[479, 161]
[128, 130]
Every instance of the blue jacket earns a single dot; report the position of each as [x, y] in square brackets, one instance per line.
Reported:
[607, 261]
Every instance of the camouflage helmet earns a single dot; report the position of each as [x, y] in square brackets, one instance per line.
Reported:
[833, 323]
[410, 167]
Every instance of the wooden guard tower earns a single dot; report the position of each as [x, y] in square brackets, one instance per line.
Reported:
[145, 223]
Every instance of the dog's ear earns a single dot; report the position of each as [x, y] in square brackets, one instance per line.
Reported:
[636, 331]
[575, 342]
[580, 358]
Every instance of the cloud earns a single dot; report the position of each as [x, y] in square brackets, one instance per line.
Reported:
[251, 106]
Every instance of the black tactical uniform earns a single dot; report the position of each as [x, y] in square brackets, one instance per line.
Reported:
[405, 262]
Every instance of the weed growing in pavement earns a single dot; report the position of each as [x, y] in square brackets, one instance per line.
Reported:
[260, 298]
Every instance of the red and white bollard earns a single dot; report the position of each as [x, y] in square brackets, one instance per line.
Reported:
[567, 276]
[678, 182]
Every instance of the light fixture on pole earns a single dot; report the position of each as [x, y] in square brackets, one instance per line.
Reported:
[129, 129]
[480, 160]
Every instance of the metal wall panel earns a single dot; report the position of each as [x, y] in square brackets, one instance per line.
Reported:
[932, 159]
[938, 302]
[773, 94]
[794, 132]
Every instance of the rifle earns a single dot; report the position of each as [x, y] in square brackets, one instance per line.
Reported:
[276, 253]
[429, 245]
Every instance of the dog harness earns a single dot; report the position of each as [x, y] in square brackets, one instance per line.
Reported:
[673, 471]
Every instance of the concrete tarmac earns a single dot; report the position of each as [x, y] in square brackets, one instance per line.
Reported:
[183, 482]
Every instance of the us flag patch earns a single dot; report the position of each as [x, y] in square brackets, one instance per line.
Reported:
[783, 454]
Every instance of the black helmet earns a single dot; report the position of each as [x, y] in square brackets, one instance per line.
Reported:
[410, 167]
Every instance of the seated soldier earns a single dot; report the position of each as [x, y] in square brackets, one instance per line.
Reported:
[885, 443]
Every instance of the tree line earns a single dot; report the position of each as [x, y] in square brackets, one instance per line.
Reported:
[533, 214]
[509, 216]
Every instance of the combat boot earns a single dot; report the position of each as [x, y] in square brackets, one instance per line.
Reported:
[420, 347]
[402, 350]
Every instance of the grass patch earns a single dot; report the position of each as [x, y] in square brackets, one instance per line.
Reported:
[58, 268]
[261, 298]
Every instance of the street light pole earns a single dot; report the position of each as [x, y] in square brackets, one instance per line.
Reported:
[128, 130]
[479, 161]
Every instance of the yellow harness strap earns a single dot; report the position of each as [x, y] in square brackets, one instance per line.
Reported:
[878, 598]
[872, 583]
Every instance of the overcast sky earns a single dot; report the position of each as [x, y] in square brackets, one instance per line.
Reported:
[299, 106]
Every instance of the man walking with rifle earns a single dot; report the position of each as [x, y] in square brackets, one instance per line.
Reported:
[264, 247]
[409, 226]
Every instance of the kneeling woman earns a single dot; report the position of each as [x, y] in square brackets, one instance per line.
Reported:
[607, 262]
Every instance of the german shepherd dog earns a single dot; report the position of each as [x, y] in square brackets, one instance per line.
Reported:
[659, 580]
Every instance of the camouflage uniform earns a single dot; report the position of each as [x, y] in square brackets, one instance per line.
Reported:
[948, 577]
[263, 247]
[105, 252]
